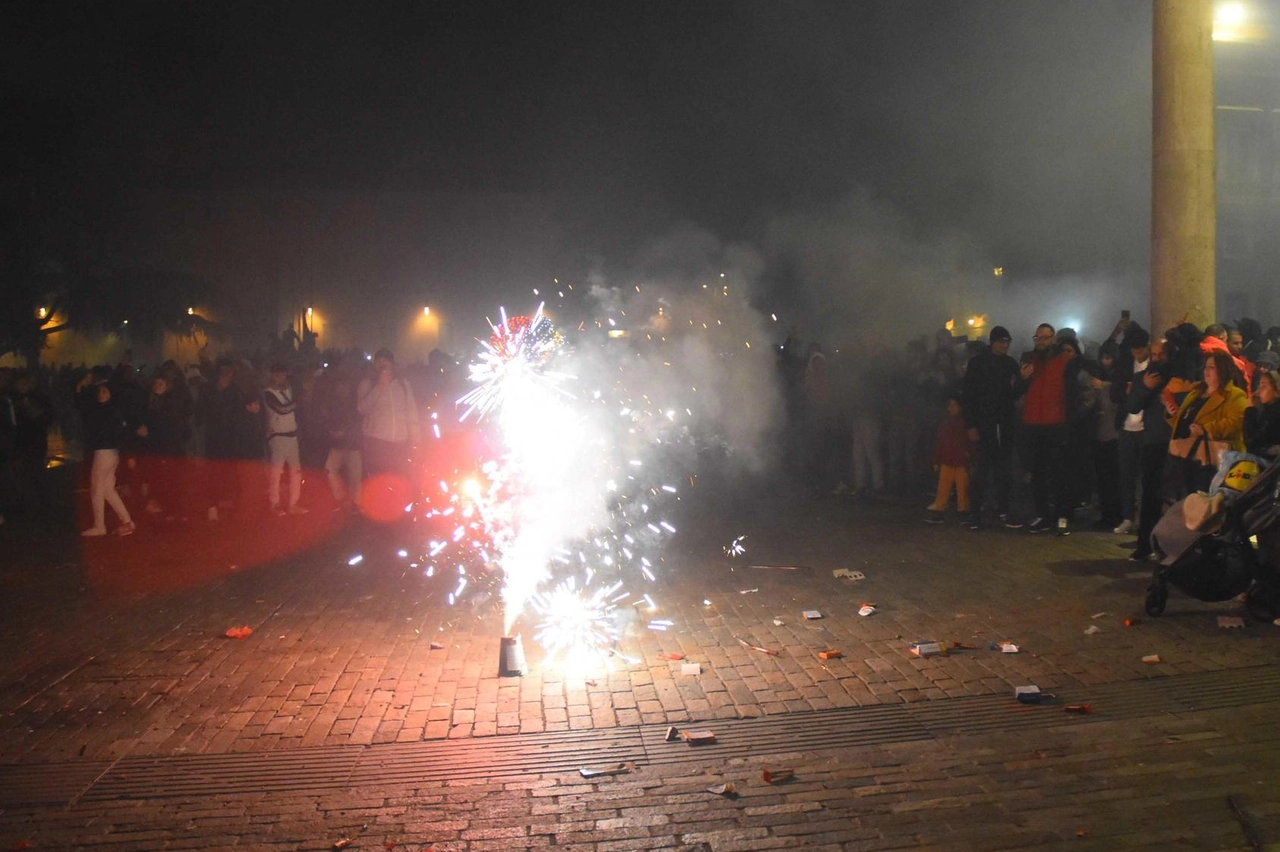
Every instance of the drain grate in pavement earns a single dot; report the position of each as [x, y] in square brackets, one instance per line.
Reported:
[436, 761]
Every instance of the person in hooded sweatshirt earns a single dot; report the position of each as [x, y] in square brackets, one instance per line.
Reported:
[105, 429]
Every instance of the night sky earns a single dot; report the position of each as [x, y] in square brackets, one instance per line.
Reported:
[551, 138]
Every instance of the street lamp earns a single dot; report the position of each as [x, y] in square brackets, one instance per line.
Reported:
[191, 312]
[426, 311]
[42, 312]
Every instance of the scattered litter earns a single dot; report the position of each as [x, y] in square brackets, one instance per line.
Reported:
[848, 574]
[1092, 629]
[1082, 709]
[778, 567]
[727, 789]
[701, 737]
[778, 622]
[243, 632]
[355, 560]
[1229, 621]
[436, 646]
[960, 646]
[831, 654]
[747, 591]
[1003, 647]
[744, 643]
[706, 602]
[811, 614]
[691, 668]
[344, 843]
[928, 648]
[616, 769]
[1098, 615]
[1129, 622]
[673, 734]
[866, 609]
[1151, 659]
[735, 547]
[774, 776]
[671, 655]
[1028, 694]
[1084, 832]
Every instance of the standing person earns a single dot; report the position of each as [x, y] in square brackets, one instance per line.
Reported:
[104, 432]
[1130, 441]
[340, 422]
[1213, 412]
[282, 442]
[390, 419]
[1262, 421]
[164, 433]
[33, 415]
[1050, 388]
[991, 390]
[1106, 437]
[8, 430]
[222, 408]
[952, 454]
[1147, 400]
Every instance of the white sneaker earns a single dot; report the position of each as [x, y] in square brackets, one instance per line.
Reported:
[1125, 528]
[94, 532]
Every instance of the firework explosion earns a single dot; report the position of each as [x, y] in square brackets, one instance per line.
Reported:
[586, 445]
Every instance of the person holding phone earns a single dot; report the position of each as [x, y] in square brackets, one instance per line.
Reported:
[1146, 400]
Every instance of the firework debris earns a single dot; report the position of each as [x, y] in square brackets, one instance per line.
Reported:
[867, 609]
[1081, 709]
[1129, 622]
[779, 567]
[436, 646]
[243, 632]
[777, 776]
[830, 654]
[928, 648]
[673, 656]
[727, 789]
[744, 643]
[673, 734]
[961, 646]
[1229, 621]
[1151, 659]
[811, 614]
[616, 769]
[1028, 694]
[1004, 647]
[748, 591]
[691, 668]
[1092, 629]
[848, 574]
[699, 737]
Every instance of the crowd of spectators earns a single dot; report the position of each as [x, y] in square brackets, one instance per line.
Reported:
[172, 443]
[1122, 429]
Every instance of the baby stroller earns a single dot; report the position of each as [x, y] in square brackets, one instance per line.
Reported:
[1219, 559]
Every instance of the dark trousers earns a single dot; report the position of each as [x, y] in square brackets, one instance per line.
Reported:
[1130, 451]
[993, 459]
[1151, 507]
[1106, 469]
[1046, 459]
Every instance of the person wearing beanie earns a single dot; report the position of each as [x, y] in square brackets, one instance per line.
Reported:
[989, 393]
[1130, 423]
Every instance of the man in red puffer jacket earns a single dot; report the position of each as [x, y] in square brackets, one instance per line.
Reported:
[1049, 376]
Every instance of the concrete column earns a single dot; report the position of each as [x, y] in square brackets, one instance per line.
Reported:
[1183, 202]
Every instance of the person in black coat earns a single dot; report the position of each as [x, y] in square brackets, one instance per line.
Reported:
[1262, 421]
[105, 430]
[988, 394]
[164, 432]
[1145, 399]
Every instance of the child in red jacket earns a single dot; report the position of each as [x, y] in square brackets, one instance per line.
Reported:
[952, 454]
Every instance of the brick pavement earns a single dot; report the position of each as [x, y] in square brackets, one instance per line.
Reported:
[342, 654]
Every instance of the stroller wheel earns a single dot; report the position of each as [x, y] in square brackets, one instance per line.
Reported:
[1157, 597]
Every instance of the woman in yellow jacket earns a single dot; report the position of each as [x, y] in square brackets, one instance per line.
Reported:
[1210, 420]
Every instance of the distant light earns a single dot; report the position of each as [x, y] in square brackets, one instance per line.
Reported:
[426, 311]
[191, 312]
[310, 311]
[355, 560]
[42, 312]
[972, 321]
[126, 322]
[368, 357]
[998, 271]
[616, 333]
